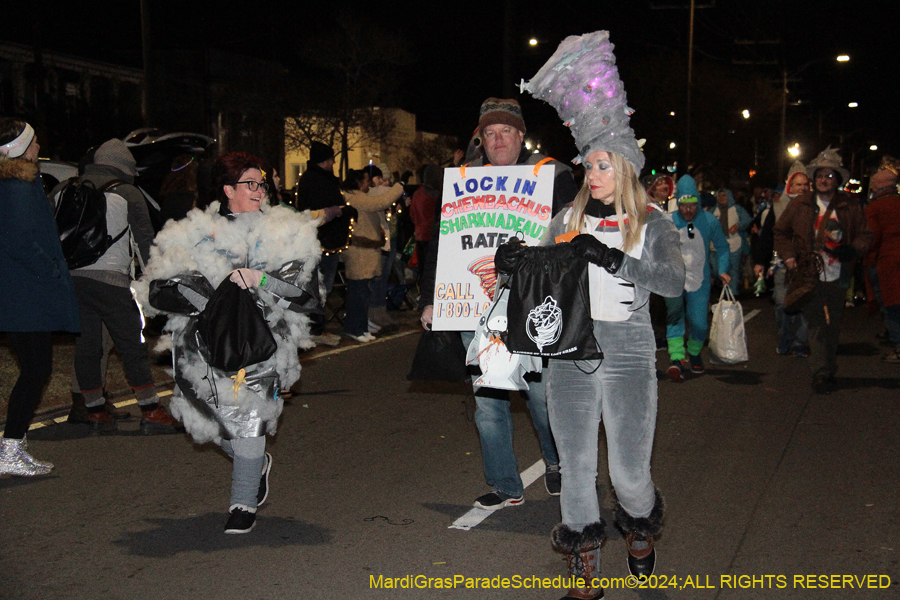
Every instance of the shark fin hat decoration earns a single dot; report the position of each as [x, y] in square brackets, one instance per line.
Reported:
[581, 81]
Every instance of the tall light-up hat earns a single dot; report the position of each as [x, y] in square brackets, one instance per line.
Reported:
[582, 83]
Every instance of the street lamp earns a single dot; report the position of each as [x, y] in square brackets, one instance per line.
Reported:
[784, 94]
[671, 145]
[873, 147]
[853, 104]
[745, 113]
[794, 150]
[533, 42]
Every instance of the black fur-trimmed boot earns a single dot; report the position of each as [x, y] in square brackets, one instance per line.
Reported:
[582, 552]
[639, 535]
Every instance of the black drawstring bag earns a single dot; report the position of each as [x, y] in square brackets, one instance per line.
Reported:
[440, 356]
[549, 311]
[234, 330]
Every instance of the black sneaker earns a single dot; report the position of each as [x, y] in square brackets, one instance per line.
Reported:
[553, 480]
[497, 500]
[696, 364]
[263, 492]
[240, 520]
[676, 371]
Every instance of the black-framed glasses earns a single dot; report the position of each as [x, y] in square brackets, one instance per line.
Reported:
[690, 229]
[253, 185]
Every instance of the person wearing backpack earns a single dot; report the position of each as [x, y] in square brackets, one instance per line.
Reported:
[36, 297]
[104, 293]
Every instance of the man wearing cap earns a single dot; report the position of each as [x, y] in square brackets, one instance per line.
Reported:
[104, 295]
[883, 218]
[697, 229]
[320, 190]
[502, 131]
[832, 224]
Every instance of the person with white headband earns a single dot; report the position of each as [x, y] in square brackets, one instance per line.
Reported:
[37, 296]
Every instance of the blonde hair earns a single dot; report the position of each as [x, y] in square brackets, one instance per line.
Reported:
[630, 199]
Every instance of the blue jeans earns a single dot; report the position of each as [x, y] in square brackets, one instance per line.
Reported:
[735, 271]
[380, 283]
[495, 430]
[356, 319]
[792, 330]
[891, 313]
[328, 268]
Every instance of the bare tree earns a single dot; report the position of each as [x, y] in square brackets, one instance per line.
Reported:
[353, 74]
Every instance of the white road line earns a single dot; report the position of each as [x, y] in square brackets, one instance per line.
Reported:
[355, 346]
[477, 515]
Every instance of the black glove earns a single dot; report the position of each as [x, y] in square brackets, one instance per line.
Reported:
[843, 253]
[593, 250]
[508, 255]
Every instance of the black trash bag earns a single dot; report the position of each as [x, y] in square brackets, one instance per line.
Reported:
[440, 356]
[165, 296]
[549, 310]
[234, 330]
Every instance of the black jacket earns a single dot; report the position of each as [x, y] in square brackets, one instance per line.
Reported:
[318, 189]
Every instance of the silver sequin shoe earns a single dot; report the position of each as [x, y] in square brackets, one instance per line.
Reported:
[46, 464]
[13, 459]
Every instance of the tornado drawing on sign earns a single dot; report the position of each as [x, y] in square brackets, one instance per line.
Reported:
[483, 268]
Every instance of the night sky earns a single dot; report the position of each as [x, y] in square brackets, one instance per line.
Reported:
[456, 49]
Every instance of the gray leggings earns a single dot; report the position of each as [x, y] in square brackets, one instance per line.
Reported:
[249, 455]
[622, 393]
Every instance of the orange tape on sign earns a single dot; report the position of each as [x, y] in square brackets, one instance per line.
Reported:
[540, 164]
[462, 171]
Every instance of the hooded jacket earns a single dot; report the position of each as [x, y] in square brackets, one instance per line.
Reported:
[37, 292]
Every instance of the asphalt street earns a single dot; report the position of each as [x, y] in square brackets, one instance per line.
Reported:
[772, 492]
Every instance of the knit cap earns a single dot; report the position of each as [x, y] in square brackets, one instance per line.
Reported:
[501, 111]
[319, 153]
[114, 153]
[887, 174]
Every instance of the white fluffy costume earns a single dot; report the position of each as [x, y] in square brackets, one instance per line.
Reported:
[192, 257]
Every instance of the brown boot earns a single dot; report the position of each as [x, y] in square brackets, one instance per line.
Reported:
[640, 533]
[119, 414]
[101, 422]
[582, 551]
[158, 421]
[78, 414]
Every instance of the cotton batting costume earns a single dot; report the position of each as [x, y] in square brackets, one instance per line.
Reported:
[582, 83]
[191, 257]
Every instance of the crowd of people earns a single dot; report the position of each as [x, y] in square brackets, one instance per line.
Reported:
[246, 253]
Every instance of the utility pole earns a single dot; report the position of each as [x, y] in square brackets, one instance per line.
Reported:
[690, 69]
[145, 48]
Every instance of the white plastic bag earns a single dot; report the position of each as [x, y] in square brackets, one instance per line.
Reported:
[727, 338]
[500, 369]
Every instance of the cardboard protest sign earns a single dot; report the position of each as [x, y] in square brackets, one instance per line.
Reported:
[483, 207]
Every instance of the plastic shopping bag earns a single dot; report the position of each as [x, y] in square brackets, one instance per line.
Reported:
[727, 338]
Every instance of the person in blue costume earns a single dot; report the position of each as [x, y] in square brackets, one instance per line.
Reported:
[697, 228]
[734, 222]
